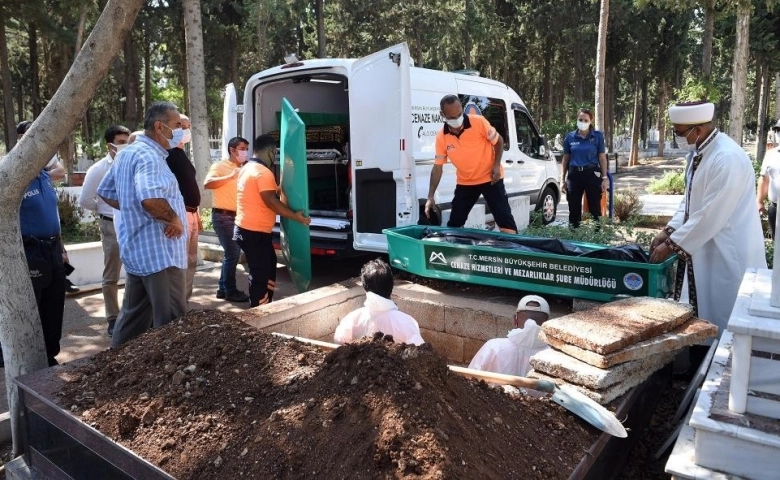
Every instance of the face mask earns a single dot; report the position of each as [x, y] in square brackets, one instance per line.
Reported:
[682, 141]
[242, 155]
[583, 125]
[117, 149]
[456, 122]
[187, 136]
[178, 134]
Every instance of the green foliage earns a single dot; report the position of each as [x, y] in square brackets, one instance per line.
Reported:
[70, 212]
[671, 183]
[603, 232]
[205, 219]
[627, 204]
[696, 89]
[769, 250]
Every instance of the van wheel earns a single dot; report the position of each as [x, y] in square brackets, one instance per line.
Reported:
[548, 206]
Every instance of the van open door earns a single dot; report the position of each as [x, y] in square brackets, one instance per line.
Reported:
[295, 237]
[230, 112]
[383, 183]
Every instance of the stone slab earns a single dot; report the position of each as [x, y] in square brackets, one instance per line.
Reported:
[742, 321]
[446, 345]
[692, 332]
[603, 396]
[558, 364]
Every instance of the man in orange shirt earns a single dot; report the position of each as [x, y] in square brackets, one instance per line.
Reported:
[258, 206]
[474, 147]
[222, 180]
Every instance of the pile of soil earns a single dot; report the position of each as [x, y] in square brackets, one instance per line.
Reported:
[208, 396]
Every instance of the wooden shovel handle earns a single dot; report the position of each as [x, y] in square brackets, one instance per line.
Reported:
[503, 379]
[500, 378]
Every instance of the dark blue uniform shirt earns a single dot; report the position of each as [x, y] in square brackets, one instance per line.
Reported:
[38, 215]
[584, 151]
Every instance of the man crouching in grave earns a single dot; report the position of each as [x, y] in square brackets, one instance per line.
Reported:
[510, 355]
[379, 313]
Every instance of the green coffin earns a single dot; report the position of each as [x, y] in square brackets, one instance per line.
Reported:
[568, 276]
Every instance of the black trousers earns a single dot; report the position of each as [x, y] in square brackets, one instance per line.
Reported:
[261, 257]
[577, 183]
[772, 213]
[47, 274]
[495, 196]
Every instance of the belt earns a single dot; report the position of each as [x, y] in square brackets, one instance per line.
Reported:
[582, 169]
[191, 209]
[105, 217]
[224, 212]
[33, 240]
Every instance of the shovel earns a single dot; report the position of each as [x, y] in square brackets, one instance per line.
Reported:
[565, 396]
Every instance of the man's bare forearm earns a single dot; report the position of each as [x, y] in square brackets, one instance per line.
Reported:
[498, 150]
[159, 209]
[436, 173]
[111, 202]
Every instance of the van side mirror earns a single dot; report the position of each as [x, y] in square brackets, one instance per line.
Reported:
[542, 146]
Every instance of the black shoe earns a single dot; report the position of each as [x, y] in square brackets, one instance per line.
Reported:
[70, 288]
[220, 294]
[237, 296]
[110, 329]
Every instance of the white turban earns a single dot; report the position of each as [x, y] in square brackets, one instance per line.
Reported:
[693, 113]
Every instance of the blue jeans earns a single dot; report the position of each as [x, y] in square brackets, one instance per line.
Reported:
[223, 227]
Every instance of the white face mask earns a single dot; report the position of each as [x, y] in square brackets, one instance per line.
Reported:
[682, 142]
[242, 155]
[187, 136]
[583, 125]
[455, 122]
[117, 149]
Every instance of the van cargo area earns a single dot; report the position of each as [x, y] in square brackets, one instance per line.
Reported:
[322, 103]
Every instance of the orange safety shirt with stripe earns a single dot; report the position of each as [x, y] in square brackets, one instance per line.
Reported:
[471, 152]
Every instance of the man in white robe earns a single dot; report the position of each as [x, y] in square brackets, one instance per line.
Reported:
[716, 232]
[379, 313]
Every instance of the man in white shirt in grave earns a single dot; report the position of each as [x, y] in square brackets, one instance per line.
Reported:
[116, 139]
[510, 355]
[379, 313]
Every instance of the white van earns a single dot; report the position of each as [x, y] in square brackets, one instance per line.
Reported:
[371, 129]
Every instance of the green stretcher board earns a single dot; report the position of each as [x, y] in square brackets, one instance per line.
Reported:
[294, 237]
[546, 273]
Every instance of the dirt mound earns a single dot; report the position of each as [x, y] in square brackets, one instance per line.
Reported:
[208, 396]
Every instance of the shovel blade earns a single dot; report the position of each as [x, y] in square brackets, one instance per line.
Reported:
[588, 410]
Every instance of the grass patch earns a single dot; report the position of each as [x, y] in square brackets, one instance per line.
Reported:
[671, 183]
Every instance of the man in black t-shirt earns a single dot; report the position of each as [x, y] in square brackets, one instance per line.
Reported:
[184, 171]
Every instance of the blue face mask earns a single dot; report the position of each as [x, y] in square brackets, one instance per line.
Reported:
[178, 135]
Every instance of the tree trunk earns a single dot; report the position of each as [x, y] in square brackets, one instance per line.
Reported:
[467, 36]
[320, 10]
[8, 94]
[80, 28]
[739, 74]
[131, 86]
[579, 91]
[196, 79]
[709, 28]
[633, 158]
[777, 98]
[546, 110]
[147, 75]
[763, 104]
[601, 59]
[662, 99]
[643, 125]
[35, 81]
[20, 325]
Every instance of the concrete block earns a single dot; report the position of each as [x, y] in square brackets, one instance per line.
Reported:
[17, 469]
[315, 326]
[448, 346]
[470, 323]
[580, 305]
[476, 218]
[470, 349]
[521, 207]
[87, 259]
[428, 314]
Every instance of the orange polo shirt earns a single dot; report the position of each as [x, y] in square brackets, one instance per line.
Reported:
[471, 152]
[252, 213]
[223, 197]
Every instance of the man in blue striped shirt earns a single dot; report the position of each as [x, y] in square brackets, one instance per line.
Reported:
[152, 238]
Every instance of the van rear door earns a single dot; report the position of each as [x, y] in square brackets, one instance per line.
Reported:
[383, 192]
[229, 118]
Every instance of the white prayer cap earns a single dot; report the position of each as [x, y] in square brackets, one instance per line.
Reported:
[693, 113]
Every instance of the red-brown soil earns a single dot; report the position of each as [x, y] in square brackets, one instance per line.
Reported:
[208, 396]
